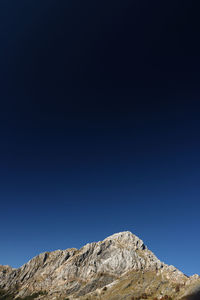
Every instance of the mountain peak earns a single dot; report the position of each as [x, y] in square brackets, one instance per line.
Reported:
[76, 273]
[122, 234]
[127, 238]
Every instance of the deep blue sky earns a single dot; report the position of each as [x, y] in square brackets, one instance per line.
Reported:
[99, 126]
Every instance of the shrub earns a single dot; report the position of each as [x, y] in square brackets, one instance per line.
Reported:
[166, 297]
[177, 288]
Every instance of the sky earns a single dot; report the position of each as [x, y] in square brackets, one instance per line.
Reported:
[99, 126]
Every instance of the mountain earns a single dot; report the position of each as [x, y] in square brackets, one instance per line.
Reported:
[119, 267]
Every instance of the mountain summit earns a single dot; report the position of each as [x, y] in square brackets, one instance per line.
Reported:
[119, 267]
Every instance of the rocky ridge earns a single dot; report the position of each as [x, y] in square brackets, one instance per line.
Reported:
[100, 270]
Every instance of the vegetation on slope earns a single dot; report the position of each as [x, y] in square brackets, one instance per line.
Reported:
[5, 295]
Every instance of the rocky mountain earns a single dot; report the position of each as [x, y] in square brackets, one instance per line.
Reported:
[119, 267]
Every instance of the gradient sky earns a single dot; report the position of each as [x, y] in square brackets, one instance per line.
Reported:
[99, 126]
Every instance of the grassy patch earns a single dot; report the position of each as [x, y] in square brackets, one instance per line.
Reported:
[33, 296]
[6, 295]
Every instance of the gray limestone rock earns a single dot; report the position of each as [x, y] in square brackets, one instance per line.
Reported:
[78, 272]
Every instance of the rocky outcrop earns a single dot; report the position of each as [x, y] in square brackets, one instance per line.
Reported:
[75, 273]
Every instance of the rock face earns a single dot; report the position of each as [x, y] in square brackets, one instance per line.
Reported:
[94, 269]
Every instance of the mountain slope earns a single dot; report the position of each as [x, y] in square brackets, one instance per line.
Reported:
[120, 267]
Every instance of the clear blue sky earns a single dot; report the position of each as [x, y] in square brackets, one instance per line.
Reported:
[99, 127]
